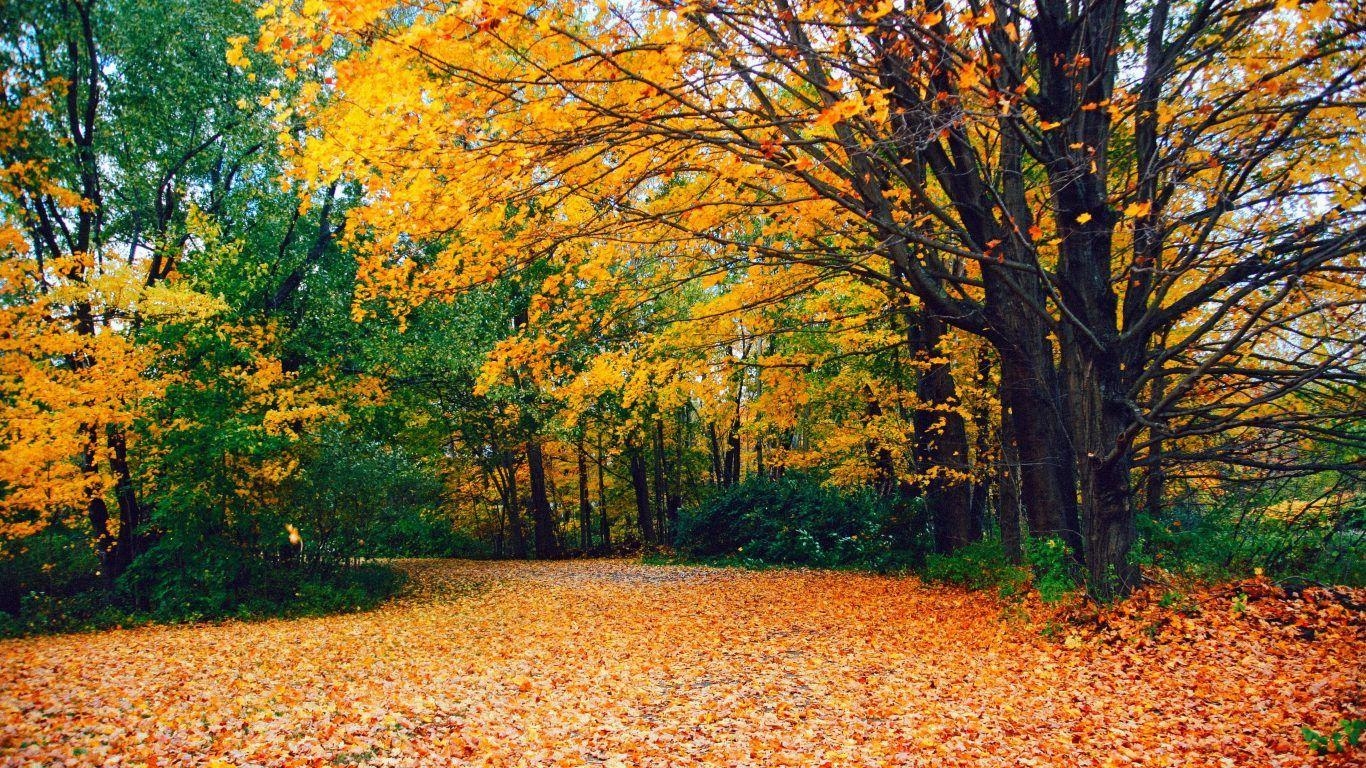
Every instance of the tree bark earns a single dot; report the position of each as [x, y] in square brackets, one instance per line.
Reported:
[661, 490]
[1008, 480]
[640, 482]
[513, 506]
[941, 439]
[714, 443]
[542, 518]
[127, 542]
[1047, 475]
[585, 506]
[605, 521]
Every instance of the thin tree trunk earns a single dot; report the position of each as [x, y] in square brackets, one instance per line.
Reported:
[1156, 480]
[542, 517]
[732, 462]
[640, 482]
[718, 476]
[661, 491]
[981, 419]
[606, 522]
[585, 506]
[514, 512]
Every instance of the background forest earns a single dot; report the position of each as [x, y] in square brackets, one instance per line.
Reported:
[987, 291]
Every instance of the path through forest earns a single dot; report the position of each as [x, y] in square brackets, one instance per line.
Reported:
[612, 663]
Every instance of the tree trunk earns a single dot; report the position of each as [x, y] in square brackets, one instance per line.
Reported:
[585, 506]
[1155, 482]
[127, 542]
[677, 482]
[732, 458]
[661, 492]
[717, 474]
[1008, 480]
[640, 482]
[513, 506]
[1104, 467]
[606, 522]
[542, 517]
[981, 420]
[1078, 66]
[1047, 474]
[941, 439]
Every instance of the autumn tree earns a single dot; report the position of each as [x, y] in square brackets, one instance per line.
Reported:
[174, 378]
[1072, 182]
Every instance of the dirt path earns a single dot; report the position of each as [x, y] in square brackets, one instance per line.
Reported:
[617, 664]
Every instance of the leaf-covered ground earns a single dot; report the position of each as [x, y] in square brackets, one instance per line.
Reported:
[616, 664]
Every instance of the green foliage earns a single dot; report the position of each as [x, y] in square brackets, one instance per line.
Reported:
[206, 588]
[1245, 532]
[1347, 734]
[1052, 566]
[57, 560]
[979, 565]
[793, 520]
[1180, 602]
[419, 533]
[984, 565]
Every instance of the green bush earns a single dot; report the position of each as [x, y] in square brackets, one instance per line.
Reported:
[1346, 735]
[984, 565]
[792, 520]
[57, 560]
[419, 533]
[1052, 565]
[1239, 535]
[281, 591]
[979, 565]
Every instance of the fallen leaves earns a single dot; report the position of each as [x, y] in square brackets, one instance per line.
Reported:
[609, 663]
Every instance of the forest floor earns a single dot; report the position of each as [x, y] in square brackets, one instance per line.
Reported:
[613, 663]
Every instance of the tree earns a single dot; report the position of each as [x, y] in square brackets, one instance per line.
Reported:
[1069, 181]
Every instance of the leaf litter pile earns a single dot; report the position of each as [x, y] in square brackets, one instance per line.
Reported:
[611, 663]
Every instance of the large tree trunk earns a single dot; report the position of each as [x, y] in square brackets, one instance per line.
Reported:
[941, 439]
[1078, 65]
[1047, 474]
[542, 518]
[1102, 423]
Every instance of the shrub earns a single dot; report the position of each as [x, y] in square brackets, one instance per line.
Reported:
[1052, 565]
[420, 533]
[984, 565]
[792, 520]
[1247, 532]
[979, 565]
[56, 561]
